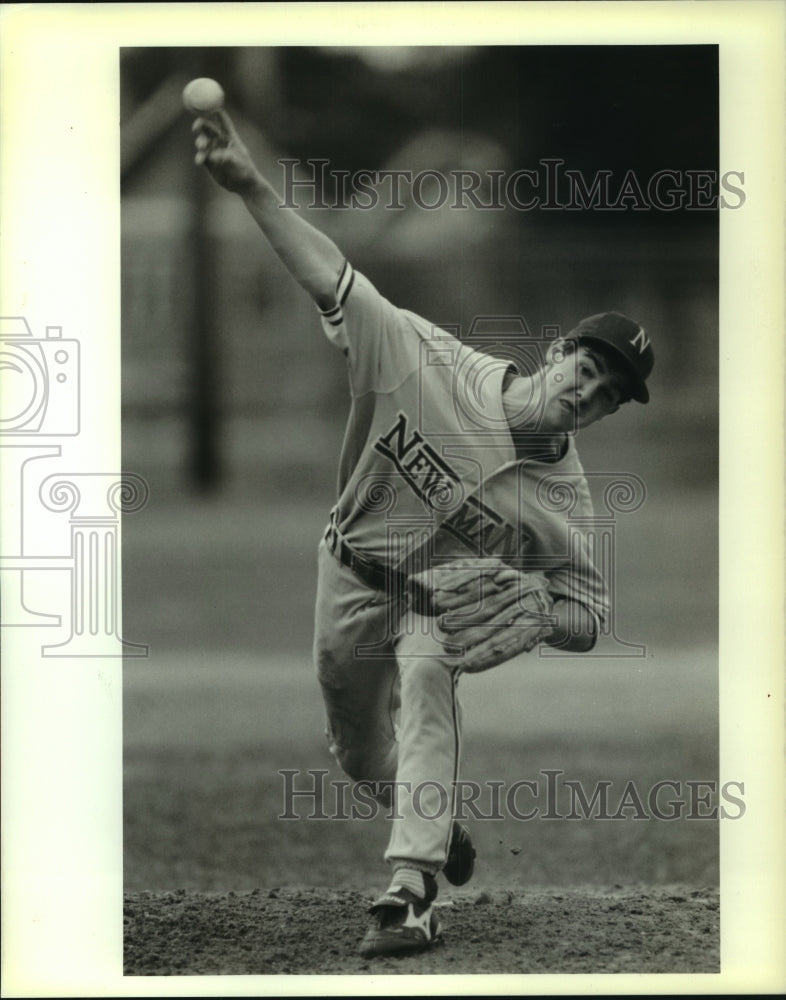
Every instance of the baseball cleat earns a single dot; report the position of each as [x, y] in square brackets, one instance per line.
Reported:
[401, 922]
[461, 856]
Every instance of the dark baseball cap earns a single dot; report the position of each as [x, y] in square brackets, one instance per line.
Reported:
[627, 345]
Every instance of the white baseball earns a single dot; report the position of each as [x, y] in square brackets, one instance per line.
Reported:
[203, 96]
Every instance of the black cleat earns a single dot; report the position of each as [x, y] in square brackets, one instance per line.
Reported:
[461, 856]
[401, 922]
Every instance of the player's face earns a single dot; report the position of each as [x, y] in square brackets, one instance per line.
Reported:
[581, 388]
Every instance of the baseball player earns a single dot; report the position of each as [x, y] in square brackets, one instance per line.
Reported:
[438, 558]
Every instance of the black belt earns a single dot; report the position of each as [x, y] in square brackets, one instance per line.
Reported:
[373, 573]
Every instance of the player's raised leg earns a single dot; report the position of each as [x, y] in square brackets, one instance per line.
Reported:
[360, 692]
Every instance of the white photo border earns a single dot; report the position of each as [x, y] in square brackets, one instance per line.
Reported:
[60, 267]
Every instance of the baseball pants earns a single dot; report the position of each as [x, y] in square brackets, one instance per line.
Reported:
[392, 711]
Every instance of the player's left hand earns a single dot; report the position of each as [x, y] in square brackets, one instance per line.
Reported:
[495, 612]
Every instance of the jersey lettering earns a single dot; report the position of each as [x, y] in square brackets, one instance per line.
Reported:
[428, 475]
[483, 530]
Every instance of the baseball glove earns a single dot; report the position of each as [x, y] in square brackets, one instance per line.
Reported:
[494, 612]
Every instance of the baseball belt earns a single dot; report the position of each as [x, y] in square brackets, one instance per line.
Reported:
[372, 572]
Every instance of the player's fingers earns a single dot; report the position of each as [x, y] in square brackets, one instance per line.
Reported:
[210, 157]
[226, 125]
[207, 127]
[207, 158]
[221, 155]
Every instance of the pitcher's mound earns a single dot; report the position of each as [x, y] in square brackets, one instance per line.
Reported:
[314, 931]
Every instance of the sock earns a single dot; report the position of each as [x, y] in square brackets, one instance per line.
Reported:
[409, 878]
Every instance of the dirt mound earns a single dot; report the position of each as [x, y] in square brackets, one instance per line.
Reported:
[316, 931]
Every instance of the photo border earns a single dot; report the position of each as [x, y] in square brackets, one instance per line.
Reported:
[59, 164]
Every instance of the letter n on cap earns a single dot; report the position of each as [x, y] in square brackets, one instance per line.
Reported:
[641, 340]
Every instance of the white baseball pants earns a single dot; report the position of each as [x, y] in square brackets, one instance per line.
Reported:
[376, 661]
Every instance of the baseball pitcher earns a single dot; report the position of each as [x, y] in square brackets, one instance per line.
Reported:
[472, 570]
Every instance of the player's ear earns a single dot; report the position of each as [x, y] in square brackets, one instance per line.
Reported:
[559, 350]
[621, 403]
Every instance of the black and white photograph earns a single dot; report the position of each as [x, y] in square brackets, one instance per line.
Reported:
[408, 574]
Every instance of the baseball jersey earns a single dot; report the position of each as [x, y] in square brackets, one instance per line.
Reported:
[428, 453]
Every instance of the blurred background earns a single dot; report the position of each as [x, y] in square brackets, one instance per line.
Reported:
[233, 407]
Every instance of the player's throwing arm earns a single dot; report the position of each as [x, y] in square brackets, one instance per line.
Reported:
[313, 260]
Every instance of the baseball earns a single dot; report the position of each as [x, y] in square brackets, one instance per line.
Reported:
[203, 96]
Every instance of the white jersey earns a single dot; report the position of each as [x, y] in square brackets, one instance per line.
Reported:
[428, 452]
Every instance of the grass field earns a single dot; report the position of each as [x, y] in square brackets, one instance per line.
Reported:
[217, 883]
[206, 736]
